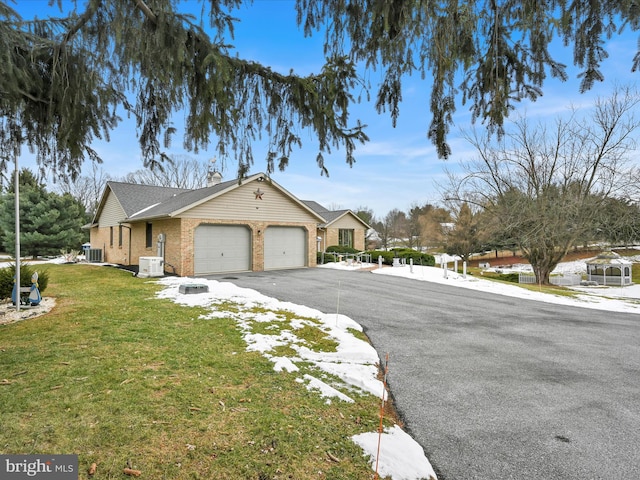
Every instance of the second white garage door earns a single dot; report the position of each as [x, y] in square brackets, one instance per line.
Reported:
[285, 247]
[222, 248]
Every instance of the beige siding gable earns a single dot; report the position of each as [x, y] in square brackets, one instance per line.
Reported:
[347, 221]
[252, 201]
[112, 212]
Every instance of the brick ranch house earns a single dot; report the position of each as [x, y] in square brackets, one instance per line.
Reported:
[233, 226]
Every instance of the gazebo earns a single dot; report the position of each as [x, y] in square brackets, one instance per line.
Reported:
[609, 268]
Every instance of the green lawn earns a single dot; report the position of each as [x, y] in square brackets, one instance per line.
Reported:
[117, 376]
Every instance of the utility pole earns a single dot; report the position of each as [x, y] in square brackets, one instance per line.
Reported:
[16, 187]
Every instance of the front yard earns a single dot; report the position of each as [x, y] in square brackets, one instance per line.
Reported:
[123, 378]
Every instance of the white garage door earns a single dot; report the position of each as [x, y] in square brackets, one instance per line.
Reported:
[285, 247]
[222, 248]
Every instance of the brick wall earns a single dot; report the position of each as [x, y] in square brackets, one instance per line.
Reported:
[358, 239]
[112, 250]
[179, 242]
[332, 238]
[257, 235]
[172, 231]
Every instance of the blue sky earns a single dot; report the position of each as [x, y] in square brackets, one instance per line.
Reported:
[398, 167]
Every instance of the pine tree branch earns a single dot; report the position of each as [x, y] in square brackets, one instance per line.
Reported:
[31, 97]
[82, 21]
[147, 11]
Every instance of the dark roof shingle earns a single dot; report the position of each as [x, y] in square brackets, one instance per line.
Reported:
[179, 200]
[135, 197]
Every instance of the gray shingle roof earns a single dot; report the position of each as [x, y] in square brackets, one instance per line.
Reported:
[333, 215]
[146, 202]
[180, 200]
[329, 215]
[315, 206]
[135, 197]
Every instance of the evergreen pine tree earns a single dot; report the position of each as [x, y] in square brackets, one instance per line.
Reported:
[49, 222]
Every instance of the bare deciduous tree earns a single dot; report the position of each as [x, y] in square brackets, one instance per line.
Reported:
[179, 171]
[86, 188]
[546, 185]
[414, 228]
[434, 226]
[465, 237]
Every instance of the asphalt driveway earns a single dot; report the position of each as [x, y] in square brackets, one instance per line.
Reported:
[492, 387]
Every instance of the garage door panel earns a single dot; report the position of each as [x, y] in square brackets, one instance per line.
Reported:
[222, 248]
[285, 247]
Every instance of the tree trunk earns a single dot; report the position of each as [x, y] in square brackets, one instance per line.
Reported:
[543, 273]
[544, 260]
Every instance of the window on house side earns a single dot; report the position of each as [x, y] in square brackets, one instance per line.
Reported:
[149, 232]
[111, 236]
[119, 235]
[345, 237]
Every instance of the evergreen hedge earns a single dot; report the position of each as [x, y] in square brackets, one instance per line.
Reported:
[341, 249]
[387, 256]
[332, 252]
[407, 253]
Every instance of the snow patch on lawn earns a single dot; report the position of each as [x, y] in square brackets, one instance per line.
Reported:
[354, 362]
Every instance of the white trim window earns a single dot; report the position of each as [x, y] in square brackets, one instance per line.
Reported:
[345, 237]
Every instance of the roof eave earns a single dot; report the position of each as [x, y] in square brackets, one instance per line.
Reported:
[147, 218]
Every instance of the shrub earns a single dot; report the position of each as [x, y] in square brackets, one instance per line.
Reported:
[7, 275]
[332, 252]
[387, 257]
[406, 253]
[513, 277]
[341, 249]
[328, 258]
[419, 258]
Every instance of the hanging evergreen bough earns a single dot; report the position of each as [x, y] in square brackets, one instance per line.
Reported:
[491, 53]
[64, 81]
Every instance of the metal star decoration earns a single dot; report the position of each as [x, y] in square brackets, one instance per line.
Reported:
[258, 193]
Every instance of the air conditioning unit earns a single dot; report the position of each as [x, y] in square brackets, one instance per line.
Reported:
[151, 267]
[93, 255]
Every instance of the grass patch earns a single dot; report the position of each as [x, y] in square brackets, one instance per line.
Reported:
[115, 375]
[283, 351]
[308, 330]
[360, 335]
[315, 339]
[512, 279]
[551, 289]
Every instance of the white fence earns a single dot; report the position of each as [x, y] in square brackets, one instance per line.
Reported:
[610, 280]
[560, 280]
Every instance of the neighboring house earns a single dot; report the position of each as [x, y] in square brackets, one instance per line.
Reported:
[233, 226]
[342, 227]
